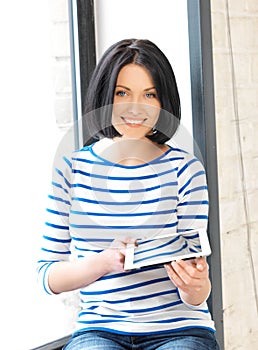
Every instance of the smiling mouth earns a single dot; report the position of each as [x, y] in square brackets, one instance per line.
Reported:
[133, 122]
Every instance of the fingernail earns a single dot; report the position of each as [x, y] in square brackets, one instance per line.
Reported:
[199, 267]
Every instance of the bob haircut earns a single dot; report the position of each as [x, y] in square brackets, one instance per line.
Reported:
[100, 92]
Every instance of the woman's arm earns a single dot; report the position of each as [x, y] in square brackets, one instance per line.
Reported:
[191, 277]
[70, 275]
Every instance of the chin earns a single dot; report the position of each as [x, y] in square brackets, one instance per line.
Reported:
[133, 133]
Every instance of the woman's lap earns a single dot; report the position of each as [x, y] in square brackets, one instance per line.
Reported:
[93, 341]
[197, 339]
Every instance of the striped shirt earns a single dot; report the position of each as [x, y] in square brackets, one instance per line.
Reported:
[95, 201]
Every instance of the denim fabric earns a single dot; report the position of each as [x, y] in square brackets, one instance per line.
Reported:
[194, 339]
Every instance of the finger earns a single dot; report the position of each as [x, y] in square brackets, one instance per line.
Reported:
[122, 251]
[181, 271]
[130, 240]
[175, 279]
[195, 268]
[122, 242]
[201, 264]
[200, 267]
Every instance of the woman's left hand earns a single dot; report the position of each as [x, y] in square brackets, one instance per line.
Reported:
[191, 277]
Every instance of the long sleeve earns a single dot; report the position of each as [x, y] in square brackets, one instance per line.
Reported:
[193, 205]
[56, 239]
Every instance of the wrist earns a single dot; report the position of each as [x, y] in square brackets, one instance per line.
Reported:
[105, 261]
[196, 297]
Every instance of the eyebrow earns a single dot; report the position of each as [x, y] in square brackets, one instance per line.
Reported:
[127, 88]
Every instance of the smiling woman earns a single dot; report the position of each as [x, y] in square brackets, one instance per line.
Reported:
[97, 205]
[107, 189]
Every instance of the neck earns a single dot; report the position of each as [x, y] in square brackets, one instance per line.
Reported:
[131, 151]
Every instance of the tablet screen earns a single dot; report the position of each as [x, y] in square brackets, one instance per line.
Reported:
[159, 250]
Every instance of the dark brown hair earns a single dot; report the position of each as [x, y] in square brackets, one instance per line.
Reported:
[100, 93]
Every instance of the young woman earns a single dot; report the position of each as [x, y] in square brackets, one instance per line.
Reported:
[127, 183]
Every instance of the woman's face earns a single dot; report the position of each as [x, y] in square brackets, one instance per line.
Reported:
[136, 105]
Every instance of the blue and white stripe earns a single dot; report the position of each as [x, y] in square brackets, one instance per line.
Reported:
[93, 202]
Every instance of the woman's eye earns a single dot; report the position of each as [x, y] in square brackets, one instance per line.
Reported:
[120, 93]
[150, 95]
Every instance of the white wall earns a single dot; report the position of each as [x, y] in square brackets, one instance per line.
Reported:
[29, 136]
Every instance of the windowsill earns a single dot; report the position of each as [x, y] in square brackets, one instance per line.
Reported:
[55, 345]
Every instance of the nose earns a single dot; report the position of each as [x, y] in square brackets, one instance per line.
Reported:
[135, 108]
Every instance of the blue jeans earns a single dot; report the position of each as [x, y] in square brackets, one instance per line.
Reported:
[193, 339]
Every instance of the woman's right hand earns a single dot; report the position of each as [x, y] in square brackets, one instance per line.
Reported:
[114, 255]
[70, 275]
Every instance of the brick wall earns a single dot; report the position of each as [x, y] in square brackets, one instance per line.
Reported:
[235, 48]
[61, 64]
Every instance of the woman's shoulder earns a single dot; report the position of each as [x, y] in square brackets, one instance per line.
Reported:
[185, 159]
[181, 153]
[84, 151]
[88, 154]
[98, 144]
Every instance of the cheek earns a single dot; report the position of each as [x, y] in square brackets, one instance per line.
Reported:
[119, 109]
[153, 116]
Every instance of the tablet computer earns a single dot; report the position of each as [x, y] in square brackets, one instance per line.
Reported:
[163, 249]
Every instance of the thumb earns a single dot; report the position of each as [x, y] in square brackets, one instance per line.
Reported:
[200, 264]
[130, 240]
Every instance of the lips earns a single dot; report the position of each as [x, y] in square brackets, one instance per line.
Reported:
[134, 122]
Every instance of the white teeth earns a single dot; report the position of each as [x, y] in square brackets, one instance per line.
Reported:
[133, 121]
